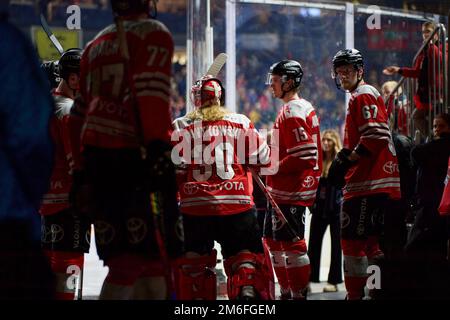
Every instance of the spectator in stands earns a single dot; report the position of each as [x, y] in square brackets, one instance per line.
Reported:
[423, 71]
[428, 239]
[396, 107]
[325, 211]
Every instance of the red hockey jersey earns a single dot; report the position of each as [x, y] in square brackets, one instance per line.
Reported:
[105, 110]
[296, 136]
[214, 156]
[57, 197]
[366, 123]
[444, 206]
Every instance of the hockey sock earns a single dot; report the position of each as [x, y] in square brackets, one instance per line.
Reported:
[123, 272]
[298, 267]
[67, 267]
[355, 267]
[278, 262]
[151, 284]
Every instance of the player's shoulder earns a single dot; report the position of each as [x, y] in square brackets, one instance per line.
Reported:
[238, 118]
[143, 27]
[181, 123]
[300, 108]
[366, 90]
[62, 105]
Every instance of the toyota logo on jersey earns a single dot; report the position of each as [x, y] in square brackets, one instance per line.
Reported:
[345, 220]
[137, 230]
[104, 232]
[57, 233]
[390, 167]
[308, 182]
[190, 188]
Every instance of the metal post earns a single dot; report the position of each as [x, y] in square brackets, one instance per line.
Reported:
[349, 35]
[209, 36]
[231, 52]
[448, 69]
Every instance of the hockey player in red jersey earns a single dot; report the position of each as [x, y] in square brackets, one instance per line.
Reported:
[369, 164]
[214, 150]
[296, 135]
[124, 113]
[65, 235]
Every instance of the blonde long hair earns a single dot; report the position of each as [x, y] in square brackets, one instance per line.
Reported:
[208, 113]
[334, 136]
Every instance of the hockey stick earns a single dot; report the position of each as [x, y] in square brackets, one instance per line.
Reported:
[154, 196]
[50, 35]
[217, 64]
[274, 205]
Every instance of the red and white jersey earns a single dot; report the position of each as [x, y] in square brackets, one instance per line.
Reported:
[214, 178]
[366, 123]
[296, 136]
[105, 110]
[57, 197]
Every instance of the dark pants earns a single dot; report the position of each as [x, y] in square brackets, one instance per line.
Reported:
[25, 272]
[317, 230]
[235, 233]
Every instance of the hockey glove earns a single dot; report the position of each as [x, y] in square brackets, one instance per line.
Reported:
[339, 168]
[159, 166]
[81, 193]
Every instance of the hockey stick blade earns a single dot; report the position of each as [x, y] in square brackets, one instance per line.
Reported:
[217, 64]
[50, 35]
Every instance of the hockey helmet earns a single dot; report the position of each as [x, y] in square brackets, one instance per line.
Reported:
[206, 89]
[69, 62]
[287, 69]
[347, 56]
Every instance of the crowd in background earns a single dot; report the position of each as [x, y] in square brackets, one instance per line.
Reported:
[307, 35]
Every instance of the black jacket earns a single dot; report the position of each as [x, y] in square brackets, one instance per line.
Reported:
[328, 200]
[432, 161]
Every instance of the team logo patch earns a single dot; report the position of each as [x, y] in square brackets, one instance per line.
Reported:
[293, 210]
[137, 230]
[104, 232]
[277, 223]
[56, 233]
[308, 182]
[345, 220]
[390, 167]
[190, 188]
[46, 234]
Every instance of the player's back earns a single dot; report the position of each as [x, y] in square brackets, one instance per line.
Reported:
[216, 180]
[117, 92]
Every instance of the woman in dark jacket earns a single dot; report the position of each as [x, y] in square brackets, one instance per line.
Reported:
[325, 211]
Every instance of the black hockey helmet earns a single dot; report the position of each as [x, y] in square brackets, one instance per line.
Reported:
[287, 69]
[69, 62]
[348, 56]
[131, 7]
[51, 71]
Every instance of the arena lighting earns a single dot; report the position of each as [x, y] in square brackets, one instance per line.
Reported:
[310, 12]
[390, 13]
[297, 4]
